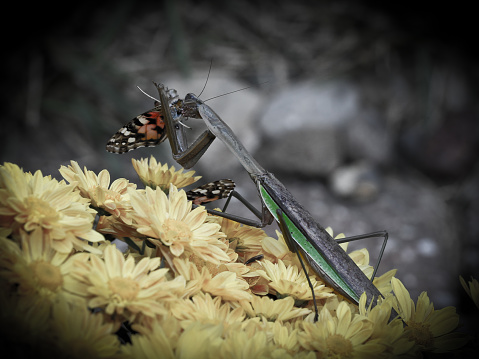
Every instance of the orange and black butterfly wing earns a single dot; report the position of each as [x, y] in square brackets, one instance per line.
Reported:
[147, 129]
[211, 191]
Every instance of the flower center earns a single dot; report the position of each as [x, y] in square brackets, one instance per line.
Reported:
[125, 288]
[339, 347]
[174, 230]
[47, 275]
[420, 333]
[40, 212]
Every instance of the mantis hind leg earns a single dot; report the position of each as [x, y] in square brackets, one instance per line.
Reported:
[377, 234]
[289, 239]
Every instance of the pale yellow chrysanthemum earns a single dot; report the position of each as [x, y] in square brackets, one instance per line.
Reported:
[245, 239]
[240, 345]
[341, 336]
[32, 201]
[431, 330]
[201, 340]
[205, 309]
[82, 334]
[285, 338]
[151, 342]
[383, 282]
[472, 289]
[113, 198]
[124, 288]
[277, 249]
[36, 269]
[170, 222]
[227, 285]
[271, 310]
[390, 333]
[154, 174]
[291, 281]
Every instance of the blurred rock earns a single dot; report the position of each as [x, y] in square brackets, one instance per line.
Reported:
[358, 181]
[366, 138]
[448, 150]
[302, 127]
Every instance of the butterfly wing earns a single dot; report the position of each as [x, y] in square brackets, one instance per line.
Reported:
[211, 191]
[147, 129]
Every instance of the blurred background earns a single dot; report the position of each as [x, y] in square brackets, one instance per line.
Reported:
[367, 112]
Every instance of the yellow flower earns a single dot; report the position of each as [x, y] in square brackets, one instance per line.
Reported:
[36, 269]
[285, 337]
[205, 309]
[272, 310]
[112, 198]
[239, 345]
[155, 174]
[391, 334]
[245, 239]
[124, 288]
[472, 289]
[291, 281]
[201, 340]
[431, 330]
[82, 334]
[226, 285]
[277, 249]
[341, 336]
[158, 340]
[169, 221]
[33, 201]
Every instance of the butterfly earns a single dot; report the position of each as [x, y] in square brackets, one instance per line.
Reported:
[211, 191]
[147, 129]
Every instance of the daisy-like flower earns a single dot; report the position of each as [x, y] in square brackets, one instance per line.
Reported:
[245, 239]
[161, 337]
[285, 337]
[169, 221]
[120, 286]
[431, 330]
[34, 268]
[82, 334]
[205, 309]
[239, 344]
[277, 249]
[341, 336]
[227, 285]
[154, 174]
[272, 310]
[472, 289]
[113, 198]
[32, 201]
[391, 334]
[291, 281]
[201, 340]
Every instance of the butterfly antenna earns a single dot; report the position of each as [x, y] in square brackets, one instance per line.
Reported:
[148, 94]
[211, 98]
[207, 77]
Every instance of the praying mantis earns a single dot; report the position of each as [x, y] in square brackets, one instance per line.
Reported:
[302, 233]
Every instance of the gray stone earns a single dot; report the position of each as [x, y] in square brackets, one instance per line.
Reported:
[302, 127]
